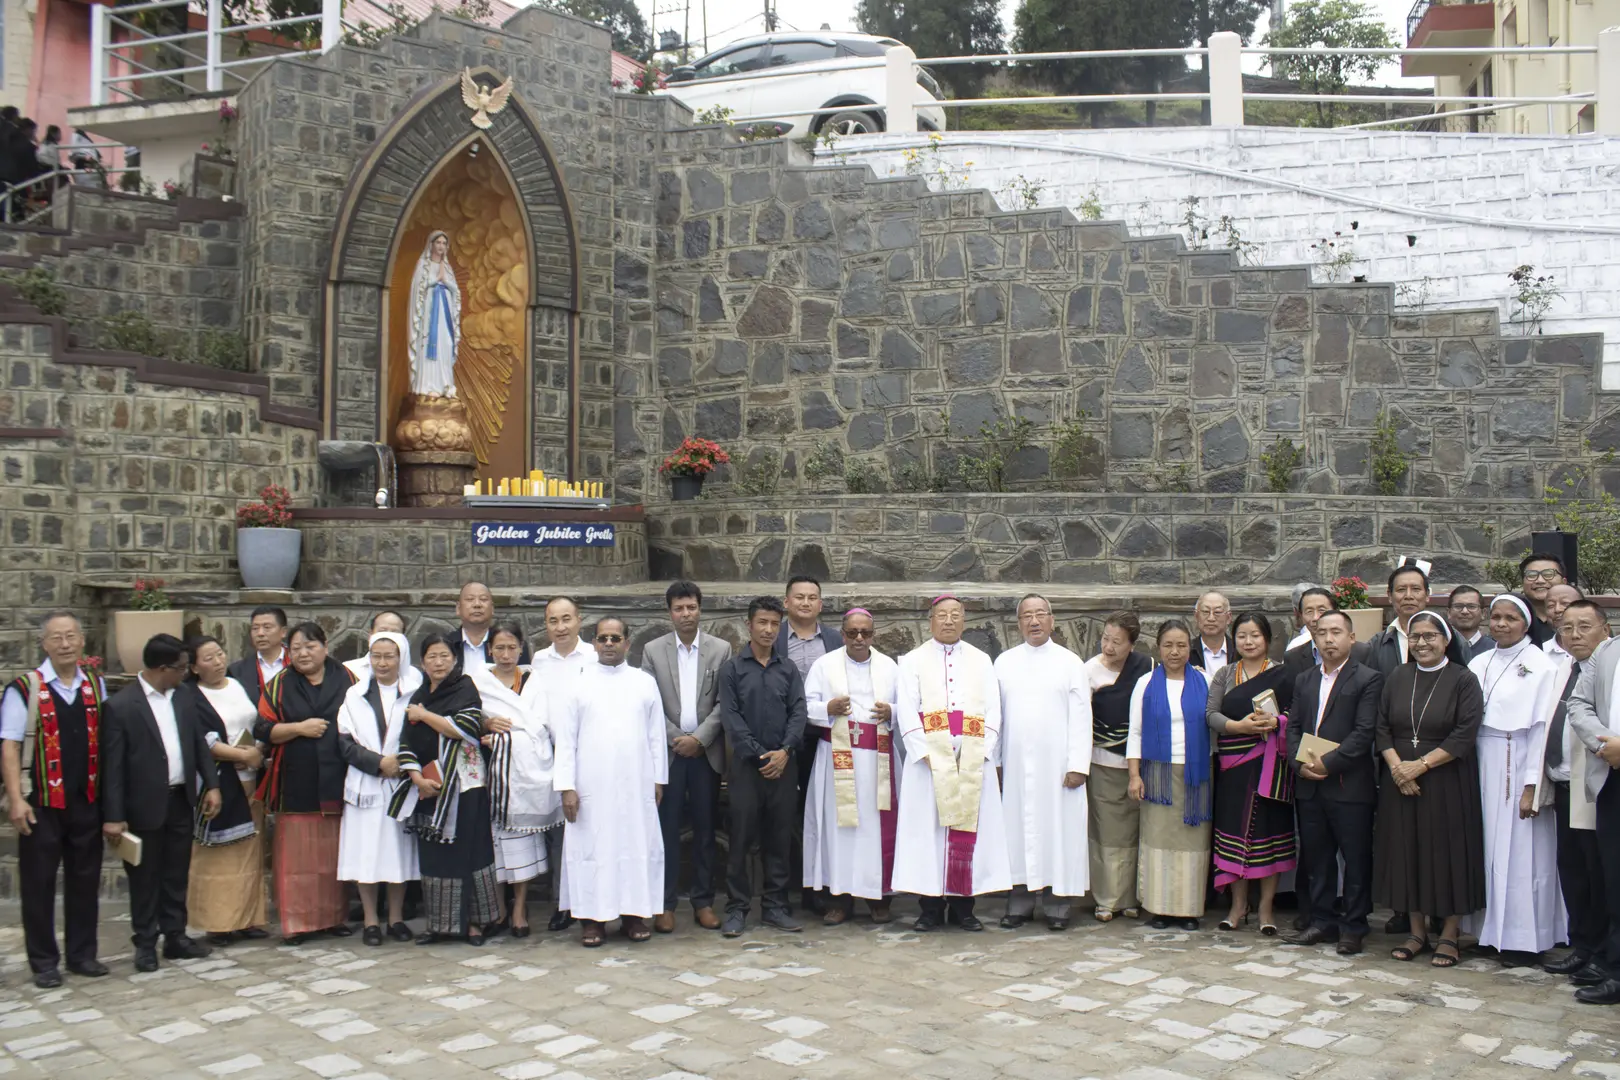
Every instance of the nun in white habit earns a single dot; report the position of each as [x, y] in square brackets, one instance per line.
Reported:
[373, 845]
[1524, 909]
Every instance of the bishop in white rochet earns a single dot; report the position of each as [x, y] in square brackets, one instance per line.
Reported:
[852, 802]
[952, 840]
[1046, 756]
[611, 767]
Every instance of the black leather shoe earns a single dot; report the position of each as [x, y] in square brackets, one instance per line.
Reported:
[427, 937]
[90, 969]
[253, 933]
[294, 939]
[1590, 975]
[1159, 922]
[49, 979]
[1569, 965]
[1399, 923]
[1349, 946]
[1314, 936]
[219, 941]
[560, 920]
[1057, 924]
[970, 922]
[1191, 925]
[1013, 922]
[146, 958]
[1606, 992]
[814, 902]
[400, 932]
[1302, 921]
[926, 922]
[181, 947]
[340, 930]
[371, 935]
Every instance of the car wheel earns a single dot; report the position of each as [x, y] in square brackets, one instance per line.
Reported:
[852, 122]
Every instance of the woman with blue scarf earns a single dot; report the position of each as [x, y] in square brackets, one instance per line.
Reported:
[1169, 760]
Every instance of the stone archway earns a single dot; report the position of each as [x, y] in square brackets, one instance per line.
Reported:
[433, 126]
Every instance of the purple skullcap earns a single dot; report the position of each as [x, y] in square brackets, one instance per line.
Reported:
[857, 611]
[941, 598]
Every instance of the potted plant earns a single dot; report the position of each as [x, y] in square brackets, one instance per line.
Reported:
[267, 546]
[689, 464]
[149, 614]
[1350, 594]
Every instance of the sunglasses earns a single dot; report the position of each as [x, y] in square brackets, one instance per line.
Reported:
[609, 639]
[858, 635]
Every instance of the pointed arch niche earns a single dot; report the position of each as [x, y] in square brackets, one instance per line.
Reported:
[500, 189]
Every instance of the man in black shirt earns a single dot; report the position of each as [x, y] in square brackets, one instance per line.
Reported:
[762, 709]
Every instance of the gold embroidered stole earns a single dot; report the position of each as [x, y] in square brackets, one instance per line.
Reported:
[843, 749]
[958, 775]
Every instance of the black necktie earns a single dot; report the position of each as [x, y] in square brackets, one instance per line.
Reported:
[1555, 732]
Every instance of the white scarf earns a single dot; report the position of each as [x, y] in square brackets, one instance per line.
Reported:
[522, 797]
[358, 721]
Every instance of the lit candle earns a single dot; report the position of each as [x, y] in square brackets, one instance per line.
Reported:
[469, 489]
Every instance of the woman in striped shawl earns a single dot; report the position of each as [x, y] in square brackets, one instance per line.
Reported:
[455, 846]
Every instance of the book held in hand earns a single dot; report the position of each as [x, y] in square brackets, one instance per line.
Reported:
[128, 847]
[245, 740]
[1313, 745]
[1266, 702]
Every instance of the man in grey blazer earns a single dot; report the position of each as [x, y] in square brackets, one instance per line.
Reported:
[686, 664]
[1589, 713]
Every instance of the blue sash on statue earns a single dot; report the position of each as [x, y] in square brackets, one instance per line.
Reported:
[438, 298]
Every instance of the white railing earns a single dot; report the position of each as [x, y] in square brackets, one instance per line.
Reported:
[1226, 96]
[124, 56]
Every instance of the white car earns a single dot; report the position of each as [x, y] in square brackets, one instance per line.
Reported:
[804, 83]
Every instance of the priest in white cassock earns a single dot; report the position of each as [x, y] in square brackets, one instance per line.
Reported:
[1046, 756]
[852, 803]
[553, 672]
[611, 767]
[952, 839]
[1524, 908]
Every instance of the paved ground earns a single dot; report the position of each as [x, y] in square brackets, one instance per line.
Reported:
[860, 1001]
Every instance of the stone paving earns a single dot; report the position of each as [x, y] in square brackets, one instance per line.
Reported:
[1099, 1001]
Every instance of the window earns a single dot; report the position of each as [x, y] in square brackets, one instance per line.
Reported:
[801, 52]
[866, 48]
[736, 62]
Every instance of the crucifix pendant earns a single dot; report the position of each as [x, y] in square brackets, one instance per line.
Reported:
[1414, 742]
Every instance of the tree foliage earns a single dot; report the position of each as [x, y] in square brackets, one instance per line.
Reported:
[940, 28]
[621, 17]
[1084, 25]
[1339, 24]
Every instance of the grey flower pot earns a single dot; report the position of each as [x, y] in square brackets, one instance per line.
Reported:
[268, 558]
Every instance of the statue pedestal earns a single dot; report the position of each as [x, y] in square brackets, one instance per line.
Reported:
[434, 477]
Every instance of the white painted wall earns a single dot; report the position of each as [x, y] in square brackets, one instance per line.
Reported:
[1478, 205]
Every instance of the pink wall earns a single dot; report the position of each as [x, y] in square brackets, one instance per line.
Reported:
[59, 79]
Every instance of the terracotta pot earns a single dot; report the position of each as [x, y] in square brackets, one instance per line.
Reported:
[131, 630]
[1366, 621]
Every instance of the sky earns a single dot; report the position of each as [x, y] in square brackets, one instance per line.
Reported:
[732, 19]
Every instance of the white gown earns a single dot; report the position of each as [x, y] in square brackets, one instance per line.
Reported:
[553, 675]
[849, 861]
[610, 750]
[372, 846]
[920, 848]
[1524, 904]
[1045, 733]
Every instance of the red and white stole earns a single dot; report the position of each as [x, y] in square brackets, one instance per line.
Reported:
[958, 774]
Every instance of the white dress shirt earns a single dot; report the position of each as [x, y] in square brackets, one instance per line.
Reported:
[269, 669]
[686, 658]
[162, 706]
[14, 710]
[1214, 659]
[1299, 639]
[1329, 680]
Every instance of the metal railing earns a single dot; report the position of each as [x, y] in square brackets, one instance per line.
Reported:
[1225, 52]
[27, 201]
[1414, 18]
[126, 58]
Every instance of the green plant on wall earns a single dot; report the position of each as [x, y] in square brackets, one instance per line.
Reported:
[825, 462]
[1178, 477]
[1388, 463]
[133, 332]
[759, 474]
[862, 477]
[985, 469]
[1279, 461]
[1074, 452]
[1595, 521]
[39, 287]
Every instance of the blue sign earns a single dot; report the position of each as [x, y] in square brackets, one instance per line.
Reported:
[536, 534]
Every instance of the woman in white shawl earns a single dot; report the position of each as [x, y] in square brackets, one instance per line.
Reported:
[373, 846]
[517, 741]
[1524, 910]
[435, 320]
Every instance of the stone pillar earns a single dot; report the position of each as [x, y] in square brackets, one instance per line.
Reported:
[434, 477]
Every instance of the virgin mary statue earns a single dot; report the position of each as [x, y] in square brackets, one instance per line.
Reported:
[435, 320]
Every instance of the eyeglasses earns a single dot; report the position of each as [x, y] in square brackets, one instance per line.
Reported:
[1465, 607]
[1425, 639]
[859, 635]
[1543, 575]
[609, 639]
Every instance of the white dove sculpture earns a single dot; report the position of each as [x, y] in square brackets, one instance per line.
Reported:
[483, 103]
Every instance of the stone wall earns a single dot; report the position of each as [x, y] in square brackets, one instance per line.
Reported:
[1159, 539]
[802, 308]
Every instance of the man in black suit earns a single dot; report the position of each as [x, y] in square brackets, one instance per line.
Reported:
[1214, 648]
[475, 607]
[1408, 594]
[1313, 604]
[153, 755]
[1336, 793]
[267, 629]
[1465, 611]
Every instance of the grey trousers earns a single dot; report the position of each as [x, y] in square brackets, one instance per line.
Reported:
[1022, 902]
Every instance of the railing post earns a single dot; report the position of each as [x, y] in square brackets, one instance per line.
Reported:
[98, 54]
[331, 24]
[1225, 79]
[900, 90]
[1607, 106]
[215, 74]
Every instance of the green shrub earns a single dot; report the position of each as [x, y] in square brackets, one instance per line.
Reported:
[39, 287]
[862, 477]
[1388, 463]
[1279, 462]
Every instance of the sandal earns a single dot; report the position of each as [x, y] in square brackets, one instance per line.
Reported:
[1268, 929]
[1102, 916]
[1132, 913]
[590, 933]
[1228, 925]
[1440, 959]
[1405, 952]
[636, 929]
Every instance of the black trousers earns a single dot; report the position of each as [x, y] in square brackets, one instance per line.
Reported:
[1608, 838]
[937, 906]
[1580, 875]
[68, 840]
[157, 887]
[689, 797]
[764, 812]
[1328, 828]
